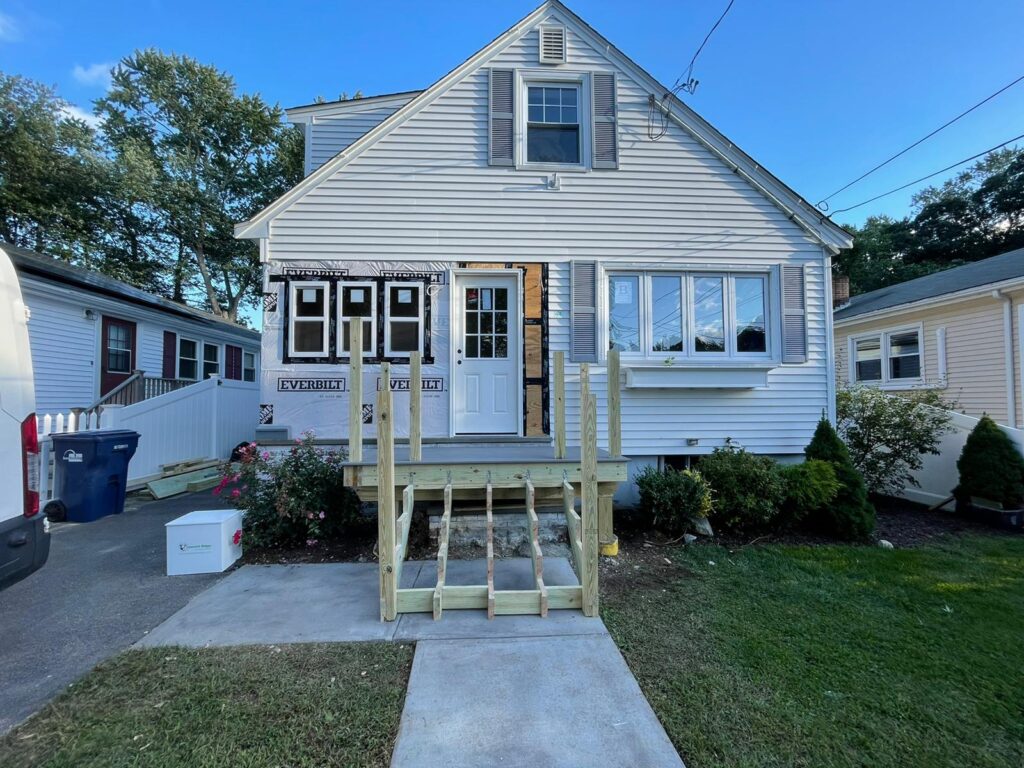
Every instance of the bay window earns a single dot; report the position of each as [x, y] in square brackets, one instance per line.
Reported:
[308, 319]
[695, 315]
[887, 358]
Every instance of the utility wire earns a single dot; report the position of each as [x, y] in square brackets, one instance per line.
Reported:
[823, 203]
[930, 175]
[686, 82]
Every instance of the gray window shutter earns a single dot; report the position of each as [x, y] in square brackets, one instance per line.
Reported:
[501, 118]
[794, 315]
[583, 312]
[605, 128]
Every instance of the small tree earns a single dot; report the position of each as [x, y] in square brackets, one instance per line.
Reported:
[850, 515]
[747, 489]
[990, 467]
[887, 435]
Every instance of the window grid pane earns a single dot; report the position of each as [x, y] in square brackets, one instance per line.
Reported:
[666, 313]
[868, 359]
[708, 315]
[751, 335]
[485, 327]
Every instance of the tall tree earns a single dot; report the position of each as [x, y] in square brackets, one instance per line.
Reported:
[213, 157]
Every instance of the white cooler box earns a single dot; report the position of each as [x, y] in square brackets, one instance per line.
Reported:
[206, 541]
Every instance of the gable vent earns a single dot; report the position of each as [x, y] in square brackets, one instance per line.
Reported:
[552, 45]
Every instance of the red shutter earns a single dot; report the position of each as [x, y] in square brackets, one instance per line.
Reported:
[170, 354]
[233, 363]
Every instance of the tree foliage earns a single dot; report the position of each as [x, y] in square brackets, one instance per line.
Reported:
[850, 514]
[887, 435]
[990, 467]
[976, 214]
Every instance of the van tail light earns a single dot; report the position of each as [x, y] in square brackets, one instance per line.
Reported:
[30, 465]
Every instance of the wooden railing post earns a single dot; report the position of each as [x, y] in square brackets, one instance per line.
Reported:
[559, 404]
[355, 394]
[614, 405]
[415, 396]
[588, 486]
[386, 498]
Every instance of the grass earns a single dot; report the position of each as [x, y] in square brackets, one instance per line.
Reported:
[299, 705]
[834, 656]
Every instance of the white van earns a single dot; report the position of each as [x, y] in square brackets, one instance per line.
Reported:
[24, 532]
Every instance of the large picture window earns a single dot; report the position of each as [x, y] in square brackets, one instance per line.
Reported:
[696, 315]
[887, 357]
[308, 319]
[553, 124]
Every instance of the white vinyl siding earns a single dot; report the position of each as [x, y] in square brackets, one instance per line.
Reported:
[330, 134]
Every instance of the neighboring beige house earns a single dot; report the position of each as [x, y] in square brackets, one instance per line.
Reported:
[958, 331]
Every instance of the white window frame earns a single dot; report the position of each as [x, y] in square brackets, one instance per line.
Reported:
[561, 79]
[421, 288]
[197, 359]
[689, 353]
[887, 381]
[342, 318]
[204, 361]
[293, 288]
[252, 368]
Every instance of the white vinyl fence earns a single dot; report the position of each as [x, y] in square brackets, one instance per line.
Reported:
[939, 476]
[204, 420]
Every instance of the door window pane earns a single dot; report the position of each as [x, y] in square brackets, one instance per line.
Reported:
[708, 315]
[868, 359]
[624, 312]
[119, 348]
[485, 323]
[904, 356]
[667, 314]
[751, 331]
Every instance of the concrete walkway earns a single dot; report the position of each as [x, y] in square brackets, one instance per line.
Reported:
[512, 691]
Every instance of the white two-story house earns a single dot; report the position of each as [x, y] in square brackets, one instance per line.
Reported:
[546, 194]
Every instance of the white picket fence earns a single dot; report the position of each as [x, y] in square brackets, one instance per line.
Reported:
[939, 476]
[204, 420]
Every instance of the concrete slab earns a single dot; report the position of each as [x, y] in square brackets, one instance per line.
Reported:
[509, 573]
[565, 701]
[275, 604]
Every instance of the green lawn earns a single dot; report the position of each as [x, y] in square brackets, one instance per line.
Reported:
[833, 656]
[299, 705]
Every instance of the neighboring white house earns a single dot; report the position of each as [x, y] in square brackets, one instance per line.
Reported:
[89, 333]
[533, 200]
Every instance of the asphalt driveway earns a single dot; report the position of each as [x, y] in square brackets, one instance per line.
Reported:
[102, 589]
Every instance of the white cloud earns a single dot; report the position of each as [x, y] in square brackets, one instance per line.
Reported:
[94, 74]
[76, 112]
[8, 29]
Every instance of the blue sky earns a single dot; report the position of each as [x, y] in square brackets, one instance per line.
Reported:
[817, 92]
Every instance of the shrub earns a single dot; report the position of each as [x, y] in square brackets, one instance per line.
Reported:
[888, 434]
[747, 489]
[810, 485]
[990, 467]
[673, 499]
[850, 514]
[291, 498]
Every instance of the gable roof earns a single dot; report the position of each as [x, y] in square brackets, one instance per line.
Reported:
[977, 275]
[799, 211]
[39, 265]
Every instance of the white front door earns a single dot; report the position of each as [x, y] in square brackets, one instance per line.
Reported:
[486, 379]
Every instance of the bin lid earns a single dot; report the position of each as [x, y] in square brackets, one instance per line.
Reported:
[204, 516]
[95, 435]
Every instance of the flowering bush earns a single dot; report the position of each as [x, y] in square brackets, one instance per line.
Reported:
[290, 498]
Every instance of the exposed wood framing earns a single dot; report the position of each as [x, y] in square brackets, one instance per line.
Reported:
[536, 556]
[402, 534]
[574, 527]
[559, 404]
[463, 476]
[355, 394]
[386, 498]
[442, 553]
[415, 402]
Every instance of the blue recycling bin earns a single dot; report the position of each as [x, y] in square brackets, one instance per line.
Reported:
[91, 472]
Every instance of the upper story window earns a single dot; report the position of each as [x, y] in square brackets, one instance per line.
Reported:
[553, 124]
[695, 315]
[887, 357]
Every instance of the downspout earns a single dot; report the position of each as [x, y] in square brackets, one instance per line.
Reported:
[1011, 384]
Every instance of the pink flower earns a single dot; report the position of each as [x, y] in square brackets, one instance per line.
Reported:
[311, 542]
[322, 515]
[235, 493]
[266, 455]
[309, 515]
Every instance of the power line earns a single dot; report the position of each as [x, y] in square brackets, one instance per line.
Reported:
[930, 175]
[823, 203]
[689, 84]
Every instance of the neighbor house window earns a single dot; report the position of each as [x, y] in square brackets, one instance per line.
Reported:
[309, 313]
[553, 124]
[403, 319]
[211, 360]
[188, 358]
[696, 315]
[358, 300]
[248, 366]
[887, 357]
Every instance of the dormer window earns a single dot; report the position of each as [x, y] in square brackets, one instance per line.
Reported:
[553, 124]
